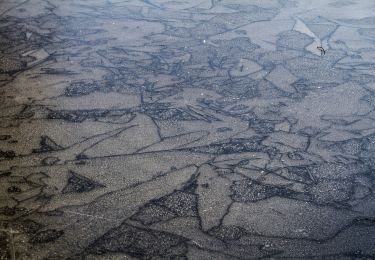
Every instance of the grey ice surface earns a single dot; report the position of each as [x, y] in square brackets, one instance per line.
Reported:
[200, 129]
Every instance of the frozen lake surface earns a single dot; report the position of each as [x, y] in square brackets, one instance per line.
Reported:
[152, 129]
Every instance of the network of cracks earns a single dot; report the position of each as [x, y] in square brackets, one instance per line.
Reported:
[153, 129]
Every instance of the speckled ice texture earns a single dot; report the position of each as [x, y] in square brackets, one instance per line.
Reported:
[200, 129]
